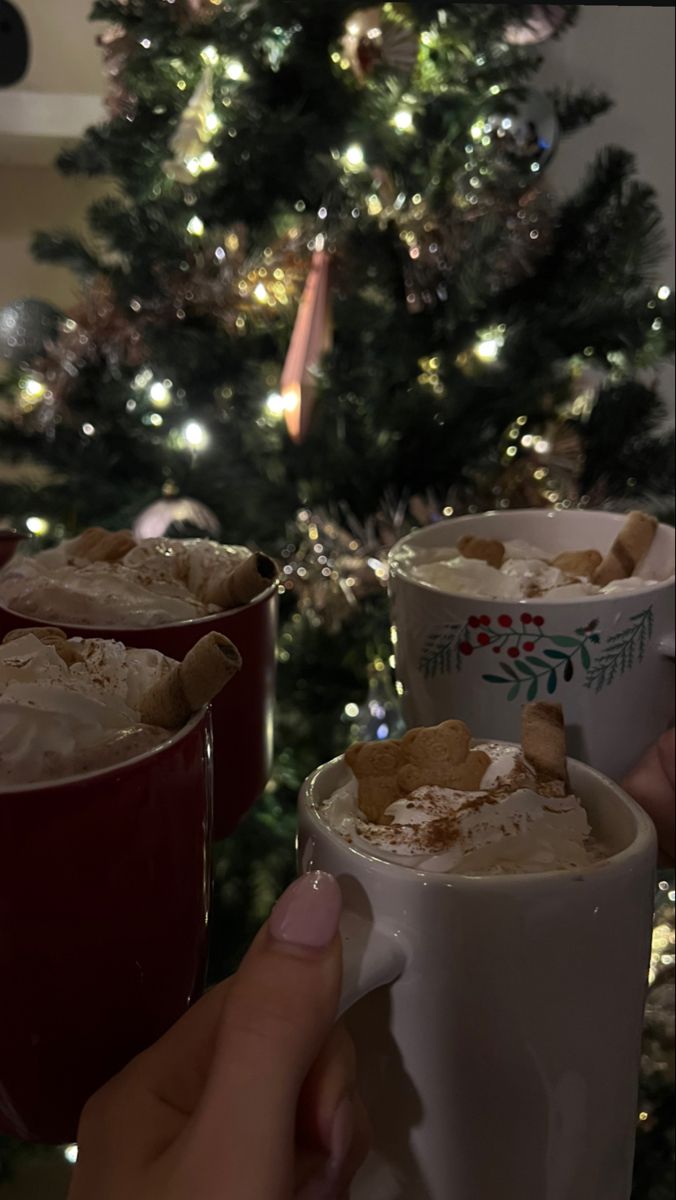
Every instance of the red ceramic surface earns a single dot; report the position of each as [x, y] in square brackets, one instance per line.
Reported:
[9, 540]
[104, 889]
[242, 714]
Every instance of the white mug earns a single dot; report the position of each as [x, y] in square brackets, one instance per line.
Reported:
[609, 660]
[501, 1062]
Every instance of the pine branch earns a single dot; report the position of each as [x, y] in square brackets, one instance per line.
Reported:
[575, 110]
[67, 250]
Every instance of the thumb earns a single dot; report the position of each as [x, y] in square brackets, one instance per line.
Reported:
[278, 1011]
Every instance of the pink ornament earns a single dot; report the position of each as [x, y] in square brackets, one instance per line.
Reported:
[311, 338]
[542, 22]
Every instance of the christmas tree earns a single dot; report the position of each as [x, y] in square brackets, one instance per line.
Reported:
[331, 296]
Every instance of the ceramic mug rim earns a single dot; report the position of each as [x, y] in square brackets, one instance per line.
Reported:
[643, 840]
[104, 630]
[41, 785]
[398, 571]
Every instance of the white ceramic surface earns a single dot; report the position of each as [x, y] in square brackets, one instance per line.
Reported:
[609, 660]
[501, 1061]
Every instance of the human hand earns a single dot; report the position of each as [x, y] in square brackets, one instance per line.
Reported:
[652, 783]
[250, 1096]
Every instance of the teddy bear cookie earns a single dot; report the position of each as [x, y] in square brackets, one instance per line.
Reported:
[375, 766]
[440, 756]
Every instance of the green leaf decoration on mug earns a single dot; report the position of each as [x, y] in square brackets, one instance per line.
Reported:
[437, 651]
[532, 661]
[622, 650]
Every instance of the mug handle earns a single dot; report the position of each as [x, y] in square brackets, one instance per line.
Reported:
[371, 958]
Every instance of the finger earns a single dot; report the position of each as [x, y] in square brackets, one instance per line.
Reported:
[331, 1078]
[332, 1176]
[170, 1073]
[277, 1014]
[651, 785]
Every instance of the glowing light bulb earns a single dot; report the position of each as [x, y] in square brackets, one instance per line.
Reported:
[209, 55]
[37, 525]
[488, 350]
[664, 292]
[195, 227]
[261, 293]
[351, 710]
[70, 1153]
[275, 404]
[476, 131]
[207, 161]
[159, 394]
[195, 435]
[212, 122]
[403, 120]
[33, 388]
[234, 70]
[354, 156]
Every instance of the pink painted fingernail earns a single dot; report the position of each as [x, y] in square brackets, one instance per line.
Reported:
[326, 1185]
[342, 1133]
[308, 912]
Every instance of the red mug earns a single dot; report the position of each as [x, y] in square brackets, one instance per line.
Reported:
[242, 712]
[104, 895]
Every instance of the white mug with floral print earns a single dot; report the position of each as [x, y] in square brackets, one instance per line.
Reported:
[608, 659]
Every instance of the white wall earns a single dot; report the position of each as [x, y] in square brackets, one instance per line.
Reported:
[628, 53]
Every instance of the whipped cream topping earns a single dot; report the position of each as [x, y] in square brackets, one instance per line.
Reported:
[158, 582]
[506, 827]
[58, 720]
[524, 574]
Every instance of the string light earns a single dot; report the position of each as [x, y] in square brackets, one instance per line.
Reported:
[37, 525]
[32, 387]
[277, 405]
[490, 343]
[235, 71]
[207, 161]
[209, 55]
[403, 120]
[664, 292]
[354, 157]
[195, 227]
[160, 394]
[70, 1153]
[212, 122]
[195, 435]
[31, 392]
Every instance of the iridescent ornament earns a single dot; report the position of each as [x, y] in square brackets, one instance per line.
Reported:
[380, 714]
[529, 135]
[380, 37]
[26, 328]
[183, 516]
[541, 23]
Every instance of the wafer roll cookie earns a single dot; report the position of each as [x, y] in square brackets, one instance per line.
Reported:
[81, 546]
[543, 739]
[206, 669]
[51, 637]
[242, 584]
[630, 546]
[582, 563]
[111, 547]
[486, 549]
